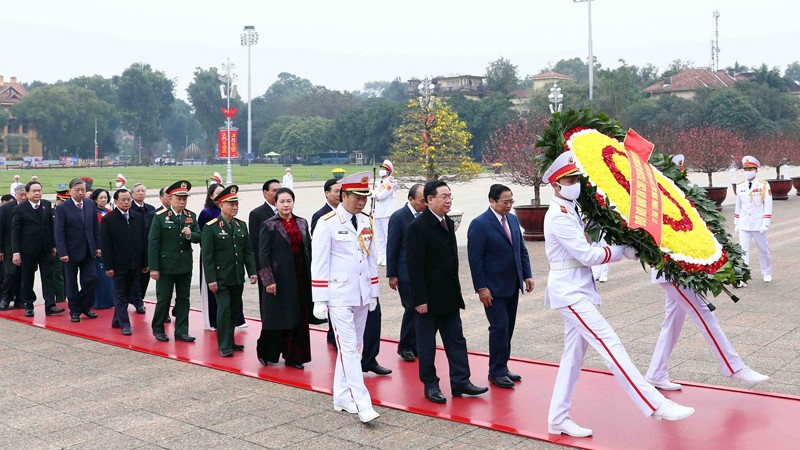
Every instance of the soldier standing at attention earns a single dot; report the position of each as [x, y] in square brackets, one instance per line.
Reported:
[753, 215]
[227, 253]
[172, 233]
[385, 188]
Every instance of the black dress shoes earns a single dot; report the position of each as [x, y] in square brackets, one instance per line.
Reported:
[53, 310]
[468, 389]
[184, 338]
[263, 361]
[314, 321]
[141, 310]
[126, 331]
[435, 395]
[226, 352]
[74, 318]
[169, 319]
[28, 312]
[90, 314]
[161, 337]
[407, 355]
[513, 376]
[296, 365]
[115, 325]
[503, 382]
[238, 347]
[4, 304]
[378, 369]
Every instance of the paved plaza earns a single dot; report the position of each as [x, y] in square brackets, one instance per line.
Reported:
[59, 391]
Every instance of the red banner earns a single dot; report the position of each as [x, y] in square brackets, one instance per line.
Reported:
[223, 143]
[646, 209]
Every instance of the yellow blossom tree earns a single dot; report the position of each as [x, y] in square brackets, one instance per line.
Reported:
[432, 143]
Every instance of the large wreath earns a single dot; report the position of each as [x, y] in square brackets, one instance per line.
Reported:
[695, 251]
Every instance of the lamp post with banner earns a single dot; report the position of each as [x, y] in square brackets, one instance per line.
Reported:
[229, 143]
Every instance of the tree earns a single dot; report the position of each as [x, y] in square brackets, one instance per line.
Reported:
[501, 76]
[676, 66]
[180, 127]
[270, 138]
[781, 109]
[729, 109]
[483, 117]
[375, 88]
[433, 143]
[289, 85]
[64, 118]
[397, 91]
[616, 90]
[771, 77]
[776, 149]
[145, 98]
[206, 101]
[708, 149]
[793, 71]
[307, 136]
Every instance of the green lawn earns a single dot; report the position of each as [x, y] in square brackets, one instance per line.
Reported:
[156, 177]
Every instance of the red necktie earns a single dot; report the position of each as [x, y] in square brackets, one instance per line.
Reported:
[505, 227]
[80, 205]
[444, 224]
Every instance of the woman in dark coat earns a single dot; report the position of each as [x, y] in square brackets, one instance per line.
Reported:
[285, 252]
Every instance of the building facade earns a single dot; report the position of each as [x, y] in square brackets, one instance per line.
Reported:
[17, 139]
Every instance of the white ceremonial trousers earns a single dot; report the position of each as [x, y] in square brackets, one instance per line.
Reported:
[348, 381]
[764, 253]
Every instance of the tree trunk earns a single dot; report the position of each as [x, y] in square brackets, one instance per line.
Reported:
[710, 182]
[536, 201]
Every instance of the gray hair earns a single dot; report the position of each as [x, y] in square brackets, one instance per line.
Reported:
[20, 187]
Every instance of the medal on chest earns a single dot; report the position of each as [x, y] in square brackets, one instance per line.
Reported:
[222, 231]
[364, 239]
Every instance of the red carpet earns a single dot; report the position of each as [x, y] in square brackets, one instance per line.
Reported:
[725, 418]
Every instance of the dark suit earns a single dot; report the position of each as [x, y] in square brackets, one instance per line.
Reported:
[433, 273]
[501, 266]
[397, 266]
[320, 212]
[148, 212]
[78, 237]
[124, 249]
[254, 221]
[13, 275]
[32, 238]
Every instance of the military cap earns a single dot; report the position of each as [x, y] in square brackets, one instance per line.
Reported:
[181, 187]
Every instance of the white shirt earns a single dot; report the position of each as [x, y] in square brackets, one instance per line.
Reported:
[753, 205]
[413, 211]
[34, 205]
[438, 217]
[384, 197]
[77, 204]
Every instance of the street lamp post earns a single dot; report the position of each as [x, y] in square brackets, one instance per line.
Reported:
[556, 98]
[249, 38]
[426, 88]
[591, 56]
[227, 90]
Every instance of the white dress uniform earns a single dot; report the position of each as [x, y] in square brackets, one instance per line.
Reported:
[753, 216]
[600, 271]
[384, 208]
[680, 302]
[344, 274]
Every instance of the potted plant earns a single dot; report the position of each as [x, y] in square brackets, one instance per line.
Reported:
[708, 149]
[338, 173]
[513, 152]
[775, 151]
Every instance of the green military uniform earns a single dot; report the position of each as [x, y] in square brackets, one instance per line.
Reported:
[170, 253]
[227, 254]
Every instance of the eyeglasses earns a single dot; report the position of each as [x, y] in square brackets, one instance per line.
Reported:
[446, 197]
[505, 202]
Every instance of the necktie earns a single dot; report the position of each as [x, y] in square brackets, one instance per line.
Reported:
[417, 214]
[354, 221]
[749, 185]
[80, 205]
[126, 216]
[444, 224]
[35, 206]
[505, 227]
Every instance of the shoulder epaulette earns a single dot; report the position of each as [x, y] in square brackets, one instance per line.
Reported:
[187, 211]
[740, 182]
[212, 221]
[329, 215]
[161, 211]
[240, 221]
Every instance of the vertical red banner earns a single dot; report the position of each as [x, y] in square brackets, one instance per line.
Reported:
[646, 209]
[223, 143]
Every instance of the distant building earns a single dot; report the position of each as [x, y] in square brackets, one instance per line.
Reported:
[520, 100]
[473, 87]
[17, 139]
[544, 81]
[687, 83]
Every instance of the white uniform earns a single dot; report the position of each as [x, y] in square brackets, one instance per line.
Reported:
[680, 302]
[571, 290]
[288, 181]
[600, 271]
[384, 207]
[344, 274]
[752, 217]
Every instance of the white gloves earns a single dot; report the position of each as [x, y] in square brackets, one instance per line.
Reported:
[321, 310]
[736, 229]
[629, 252]
[373, 303]
[763, 229]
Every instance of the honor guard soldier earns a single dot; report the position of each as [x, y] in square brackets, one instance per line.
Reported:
[572, 292]
[753, 215]
[385, 189]
[227, 254]
[344, 286]
[172, 233]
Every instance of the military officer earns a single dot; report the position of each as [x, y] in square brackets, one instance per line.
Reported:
[572, 292]
[58, 267]
[753, 215]
[385, 189]
[172, 233]
[227, 254]
[344, 286]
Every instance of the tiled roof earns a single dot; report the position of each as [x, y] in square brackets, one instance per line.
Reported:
[11, 93]
[693, 79]
[521, 93]
[551, 74]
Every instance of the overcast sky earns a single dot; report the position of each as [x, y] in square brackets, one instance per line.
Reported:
[342, 44]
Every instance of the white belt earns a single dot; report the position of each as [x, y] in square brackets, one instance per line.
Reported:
[564, 265]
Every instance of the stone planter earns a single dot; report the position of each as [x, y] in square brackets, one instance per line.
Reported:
[531, 218]
[456, 215]
[717, 195]
[337, 175]
[796, 184]
[780, 189]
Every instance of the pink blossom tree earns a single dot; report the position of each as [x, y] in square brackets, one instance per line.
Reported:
[776, 149]
[709, 149]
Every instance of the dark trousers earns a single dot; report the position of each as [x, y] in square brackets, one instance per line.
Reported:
[59, 290]
[30, 263]
[181, 284]
[455, 347]
[372, 338]
[12, 282]
[229, 308]
[80, 300]
[123, 290]
[502, 316]
[408, 338]
[141, 289]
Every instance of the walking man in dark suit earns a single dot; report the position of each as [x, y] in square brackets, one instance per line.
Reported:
[397, 267]
[124, 245]
[13, 276]
[147, 211]
[78, 242]
[33, 247]
[332, 198]
[436, 294]
[500, 268]
[257, 217]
